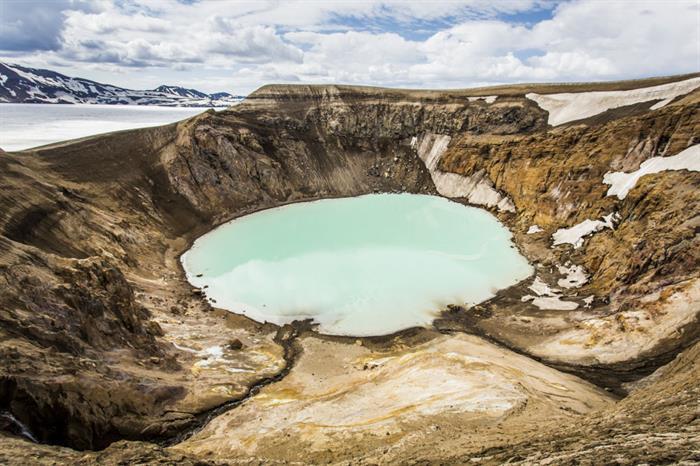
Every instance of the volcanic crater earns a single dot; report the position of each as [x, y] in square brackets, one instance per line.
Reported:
[110, 356]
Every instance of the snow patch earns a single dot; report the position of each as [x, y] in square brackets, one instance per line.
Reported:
[24, 126]
[541, 288]
[575, 234]
[661, 103]
[567, 107]
[534, 229]
[576, 276]
[547, 299]
[477, 188]
[238, 370]
[621, 183]
[215, 352]
[555, 193]
[489, 99]
[210, 355]
[184, 348]
[550, 303]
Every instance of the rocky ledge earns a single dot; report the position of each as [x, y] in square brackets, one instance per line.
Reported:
[109, 356]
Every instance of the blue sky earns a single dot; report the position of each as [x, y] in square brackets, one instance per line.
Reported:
[418, 28]
[238, 46]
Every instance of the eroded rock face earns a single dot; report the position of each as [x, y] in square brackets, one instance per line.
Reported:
[102, 338]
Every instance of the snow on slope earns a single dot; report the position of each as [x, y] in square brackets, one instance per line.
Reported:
[574, 276]
[621, 183]
[575, 235]
[182, 92]
[489, 99]
[547, 298]
[19, 84]
[478, 188]
[572, 106]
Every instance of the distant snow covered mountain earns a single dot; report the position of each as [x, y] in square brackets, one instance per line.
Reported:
[19, 84]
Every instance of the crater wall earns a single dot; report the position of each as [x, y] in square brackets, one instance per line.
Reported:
[103, 339]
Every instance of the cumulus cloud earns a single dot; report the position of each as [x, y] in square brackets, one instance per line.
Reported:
[376, 42]
[647, 37]
[254, 44]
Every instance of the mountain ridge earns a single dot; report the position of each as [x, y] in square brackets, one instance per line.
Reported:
[513, 89]
[20, 84]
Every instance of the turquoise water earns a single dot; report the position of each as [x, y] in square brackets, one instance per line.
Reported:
[361, 266]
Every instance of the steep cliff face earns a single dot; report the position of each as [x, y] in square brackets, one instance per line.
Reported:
[105, 340]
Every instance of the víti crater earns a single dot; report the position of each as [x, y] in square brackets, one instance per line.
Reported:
[328, 274]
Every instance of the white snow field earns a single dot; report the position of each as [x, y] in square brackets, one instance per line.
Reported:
[23, 126]
[572, 106]
[621, 183]
[575, 235]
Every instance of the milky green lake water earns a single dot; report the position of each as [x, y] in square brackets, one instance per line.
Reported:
[361, 266]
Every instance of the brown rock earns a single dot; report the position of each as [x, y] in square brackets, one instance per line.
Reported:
[235, 344]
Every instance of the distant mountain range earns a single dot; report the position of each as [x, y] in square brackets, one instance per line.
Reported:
[19, 84]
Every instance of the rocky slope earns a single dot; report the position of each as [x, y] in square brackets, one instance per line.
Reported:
[19, 84]
[106, 345]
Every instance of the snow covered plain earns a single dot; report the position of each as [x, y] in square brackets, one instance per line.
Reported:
[23, 126]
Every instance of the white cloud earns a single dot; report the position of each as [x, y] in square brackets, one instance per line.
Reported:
[248, 44]
[112, 22]
[352, 49]
[256, 44]
[645, 37]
